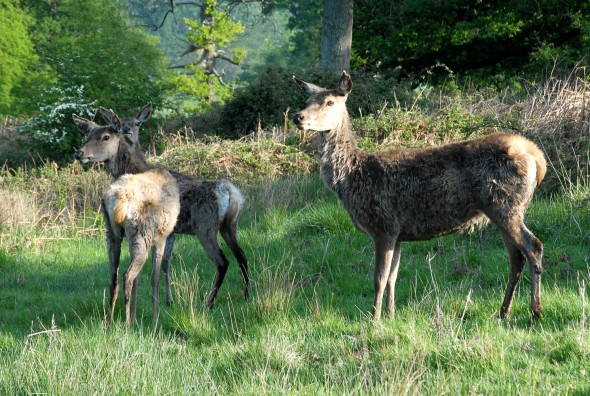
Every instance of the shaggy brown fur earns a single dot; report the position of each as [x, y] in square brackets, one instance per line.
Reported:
[207, 207]
[417, 194]
[144, 208]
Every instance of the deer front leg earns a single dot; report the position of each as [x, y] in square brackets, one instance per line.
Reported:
[166, 266]
[114, 248]
[384, 246]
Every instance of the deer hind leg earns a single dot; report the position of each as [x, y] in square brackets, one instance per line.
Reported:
[166, 266]
[139, 255]
[517, 260]
[207, 235]
[384, 249]
[134, 291]
[390, 288]
[229, 232]
[517, 236]
[157, 253]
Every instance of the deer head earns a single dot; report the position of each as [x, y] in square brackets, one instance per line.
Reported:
[128, 126]
[325, 109]
[102, 142]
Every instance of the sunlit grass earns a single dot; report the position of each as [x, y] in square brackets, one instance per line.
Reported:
[305, 328]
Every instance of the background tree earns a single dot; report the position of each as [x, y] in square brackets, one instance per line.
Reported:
[209, 32]
[305, 27]
[208, 36]
[337, 34]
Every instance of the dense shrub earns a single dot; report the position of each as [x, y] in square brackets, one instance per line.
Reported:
[266, 101]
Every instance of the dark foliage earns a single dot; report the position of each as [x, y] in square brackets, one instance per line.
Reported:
[490, 41]
[266, 100]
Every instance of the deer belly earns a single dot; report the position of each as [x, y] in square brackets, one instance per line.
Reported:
[427, 228]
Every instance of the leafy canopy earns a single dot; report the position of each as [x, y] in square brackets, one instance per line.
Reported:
[95, 57]
[17, 54]
[202, 81]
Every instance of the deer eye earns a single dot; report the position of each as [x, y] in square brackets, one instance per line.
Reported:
[137, 123]
[330, 103]
[106, 137]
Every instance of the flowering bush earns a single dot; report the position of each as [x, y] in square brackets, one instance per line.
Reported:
[51, 133]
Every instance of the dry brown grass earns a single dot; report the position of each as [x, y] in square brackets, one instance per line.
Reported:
[48, 200]
[556, 114]
[250, 159]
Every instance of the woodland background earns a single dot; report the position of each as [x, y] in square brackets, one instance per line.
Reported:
[219, 74]
[224, 67]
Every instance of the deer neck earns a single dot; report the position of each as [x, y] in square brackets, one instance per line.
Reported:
[339, 155]
[126, 161]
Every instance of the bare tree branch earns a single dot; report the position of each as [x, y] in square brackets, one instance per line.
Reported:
[226, 58]
[190, 48]
[199, 4]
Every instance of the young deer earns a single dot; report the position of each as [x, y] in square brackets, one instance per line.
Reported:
[417, 194]
[144, 208]
[207, 207]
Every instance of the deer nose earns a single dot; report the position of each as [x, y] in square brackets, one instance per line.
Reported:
[297, 118]
[78, 154]
[126, 129]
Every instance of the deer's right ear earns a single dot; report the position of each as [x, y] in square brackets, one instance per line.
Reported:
[345, 84]
[85, 126]
[110, 116]
[308, 88]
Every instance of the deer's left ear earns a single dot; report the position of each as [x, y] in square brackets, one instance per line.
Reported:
[145, 113]
[111, 118]
[85, 126]
[308, 88]
[345, 84]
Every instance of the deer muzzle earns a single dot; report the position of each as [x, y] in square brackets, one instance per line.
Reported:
[298, 120]
[79, 155]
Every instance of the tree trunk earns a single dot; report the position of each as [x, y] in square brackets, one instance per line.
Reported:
[336, 34]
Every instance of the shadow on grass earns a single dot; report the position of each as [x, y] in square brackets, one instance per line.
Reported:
[31, 296]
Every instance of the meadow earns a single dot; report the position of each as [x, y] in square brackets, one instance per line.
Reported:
[306, 328]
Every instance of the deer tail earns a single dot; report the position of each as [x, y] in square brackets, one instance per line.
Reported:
[521, 150]
[230, 202]
[540, 160]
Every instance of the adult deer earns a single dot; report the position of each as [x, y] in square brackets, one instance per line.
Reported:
[207, 207]
[417, 194]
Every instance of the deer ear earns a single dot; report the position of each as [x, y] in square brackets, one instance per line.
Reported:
[308, 88]
[345, 84]
[145, 113]
[110, 116]
[85, 126]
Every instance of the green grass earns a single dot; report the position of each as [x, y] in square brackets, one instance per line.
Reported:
[305, 329]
